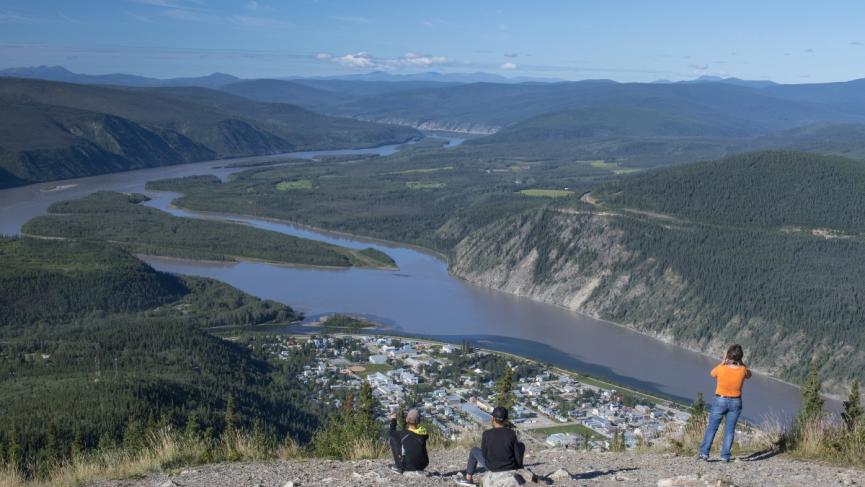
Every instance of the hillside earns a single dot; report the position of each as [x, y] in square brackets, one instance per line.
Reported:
[62, 130]
[746, 253]
[773, 189]
[123, 346]
[554, 467]
[59, 73]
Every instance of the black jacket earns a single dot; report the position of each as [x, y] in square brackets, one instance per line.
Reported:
[499, 447]
[413, 454]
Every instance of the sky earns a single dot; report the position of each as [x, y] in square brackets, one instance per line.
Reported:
[790, 41]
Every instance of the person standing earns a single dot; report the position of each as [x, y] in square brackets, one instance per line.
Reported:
[730, 375]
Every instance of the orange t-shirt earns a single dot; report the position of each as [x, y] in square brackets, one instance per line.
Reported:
[730, 379]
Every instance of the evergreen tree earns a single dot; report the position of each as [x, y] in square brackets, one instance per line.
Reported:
[400, 418]
[505, 389]
[14, 453]
[230, 417]
[698, 411]
[812, 402]
[853, 412]
[587, 440]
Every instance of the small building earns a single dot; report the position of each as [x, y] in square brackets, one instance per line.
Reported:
[378, 359]
[565, 440]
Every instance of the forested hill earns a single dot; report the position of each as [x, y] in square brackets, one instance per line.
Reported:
[97, 350]
[54, 130]
[771, 188]
[765, 249]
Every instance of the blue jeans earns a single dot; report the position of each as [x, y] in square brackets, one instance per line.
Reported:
[722, 408]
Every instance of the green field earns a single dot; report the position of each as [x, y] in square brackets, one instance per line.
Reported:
[423, 185]
[373, 368]
[576, 429]
[612, 167]
[425, 170]
[291, 185]
[547, 193]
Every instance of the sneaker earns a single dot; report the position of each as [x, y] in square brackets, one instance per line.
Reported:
[725, 460]
[396, 469]
[703, 458]
[465, 483]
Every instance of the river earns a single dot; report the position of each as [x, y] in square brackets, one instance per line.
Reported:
[421, 298]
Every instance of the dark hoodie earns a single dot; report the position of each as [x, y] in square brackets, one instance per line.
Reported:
[409, 447]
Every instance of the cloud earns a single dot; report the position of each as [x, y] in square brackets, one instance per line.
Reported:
[7, 17]
[856, 43]
[366, 60]
[699, 67]
[809, 50]
[511, 54]
[508, 66]
[173, 4]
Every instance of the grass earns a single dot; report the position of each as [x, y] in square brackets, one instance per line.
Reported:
[576, 429]
[612, 167]
[423, 170]
[293, 185]
[547, 193]
[373, 368]
[424, 185]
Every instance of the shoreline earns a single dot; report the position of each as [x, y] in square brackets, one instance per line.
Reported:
[446, 260]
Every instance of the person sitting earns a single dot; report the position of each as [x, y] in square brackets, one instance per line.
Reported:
[409, 445]
[730, 374]
[500, 450]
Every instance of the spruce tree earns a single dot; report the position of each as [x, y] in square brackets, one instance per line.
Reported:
[812, 402]
[853, 412]
[698, 411]
[230, 417]
[505, 389]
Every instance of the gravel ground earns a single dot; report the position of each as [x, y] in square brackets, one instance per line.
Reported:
[554, 466]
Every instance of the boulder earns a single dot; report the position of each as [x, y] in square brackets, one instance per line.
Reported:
[561, 474]
[503, 479]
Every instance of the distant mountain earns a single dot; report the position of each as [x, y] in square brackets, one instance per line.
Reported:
[282, 91]
[730, 81]
[56, 130]
[59, 73]
[476, 77]
[488, 107]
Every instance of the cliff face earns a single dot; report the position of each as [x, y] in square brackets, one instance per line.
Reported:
[589, 262]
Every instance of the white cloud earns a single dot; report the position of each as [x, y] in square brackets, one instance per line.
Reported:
[366, 60]
[699, 67]
[358, 60]
[508, 66]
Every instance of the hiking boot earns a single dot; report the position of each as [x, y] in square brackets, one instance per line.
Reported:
[396, 469]
[465, 483]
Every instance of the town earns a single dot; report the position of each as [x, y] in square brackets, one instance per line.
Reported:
[455, 388]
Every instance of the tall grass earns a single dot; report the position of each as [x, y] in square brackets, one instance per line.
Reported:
[822, 438]
[163, 450]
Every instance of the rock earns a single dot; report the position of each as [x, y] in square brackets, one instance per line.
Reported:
[502, 479]
[289, 484]
[693, 481]
[168, 483]
[561, 474]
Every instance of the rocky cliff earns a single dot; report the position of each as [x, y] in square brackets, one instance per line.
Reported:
[679, 282]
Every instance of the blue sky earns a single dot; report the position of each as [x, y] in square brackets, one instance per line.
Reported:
[789, 41]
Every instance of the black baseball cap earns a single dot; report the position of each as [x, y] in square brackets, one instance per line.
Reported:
[500, 414]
